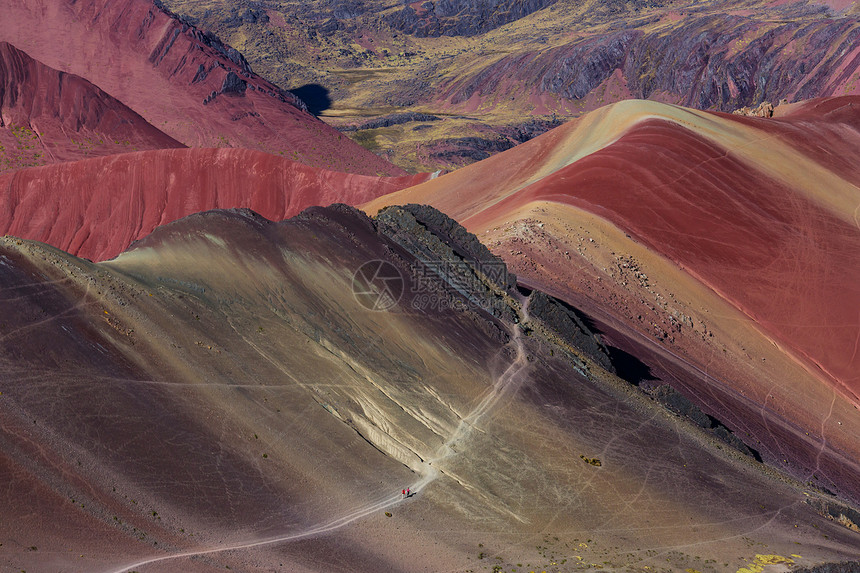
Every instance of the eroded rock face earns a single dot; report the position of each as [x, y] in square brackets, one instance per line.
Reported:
[706, 62]
[469, 276]
[764, 109]
[233, 84]
[462, 17]
[585, 66]
[566, 322]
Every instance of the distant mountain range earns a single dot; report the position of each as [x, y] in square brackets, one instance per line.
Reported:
[489, 65]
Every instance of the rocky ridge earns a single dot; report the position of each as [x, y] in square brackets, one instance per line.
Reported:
[702, 61]
[455, 270]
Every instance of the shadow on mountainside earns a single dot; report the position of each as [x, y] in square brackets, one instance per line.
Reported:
[628, 367]
[315, 96]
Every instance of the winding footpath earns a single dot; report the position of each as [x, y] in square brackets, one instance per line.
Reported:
[507, 383]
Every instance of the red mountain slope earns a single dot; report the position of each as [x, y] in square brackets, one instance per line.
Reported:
[724, 246]
[96, 208]
[49, 116]
[185, 83]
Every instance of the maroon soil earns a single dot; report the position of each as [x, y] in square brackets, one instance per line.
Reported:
[782, 259]
[96, 208]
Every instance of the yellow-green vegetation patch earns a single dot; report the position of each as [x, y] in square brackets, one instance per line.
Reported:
[367, 139]
[758, 564]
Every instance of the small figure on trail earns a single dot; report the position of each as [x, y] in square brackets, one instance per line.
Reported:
[408, 492]
[403, 492]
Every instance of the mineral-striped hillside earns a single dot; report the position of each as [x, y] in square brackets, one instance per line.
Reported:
[717, 249]
[224, 395]
[97, 208]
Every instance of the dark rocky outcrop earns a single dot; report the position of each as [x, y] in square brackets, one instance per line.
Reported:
[843, 515]
[447, 268]
[233, 84]
[467, 149]
[566, 323]
[530, 129]
[676, 402]
[462, 17]
[472, 277]
[464, 243]
[389, 120]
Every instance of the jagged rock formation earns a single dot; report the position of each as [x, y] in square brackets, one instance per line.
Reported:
[469, 270]
[563, 320]
[522, 132]
[389, 120]
[706, 62]
[840, 513]
[765, 109]
[683, 406]
[471, 278]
